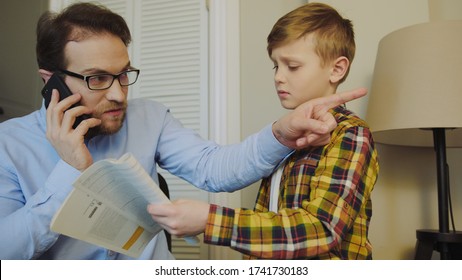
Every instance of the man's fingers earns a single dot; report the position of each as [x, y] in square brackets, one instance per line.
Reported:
[321, 124]
[324, 121]
[348, 96]
[337, 99]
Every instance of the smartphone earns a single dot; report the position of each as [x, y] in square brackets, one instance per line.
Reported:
[56, 82]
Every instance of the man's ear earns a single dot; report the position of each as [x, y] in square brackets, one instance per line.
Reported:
[45, 74]
[339, 69]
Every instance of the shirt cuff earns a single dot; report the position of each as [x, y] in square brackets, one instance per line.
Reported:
[268, 142]
[219, 227]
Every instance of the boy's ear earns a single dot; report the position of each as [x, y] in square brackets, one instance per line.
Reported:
[339, 69]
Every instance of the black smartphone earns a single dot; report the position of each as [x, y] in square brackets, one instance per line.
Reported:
[56, 82]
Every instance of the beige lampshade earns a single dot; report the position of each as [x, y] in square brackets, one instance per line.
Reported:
[417, 84]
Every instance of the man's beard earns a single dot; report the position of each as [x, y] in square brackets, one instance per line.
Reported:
[104, 129]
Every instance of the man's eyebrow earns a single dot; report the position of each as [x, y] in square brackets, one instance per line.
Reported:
[91, 71]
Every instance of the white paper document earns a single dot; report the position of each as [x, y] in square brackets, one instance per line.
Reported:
[107, 207]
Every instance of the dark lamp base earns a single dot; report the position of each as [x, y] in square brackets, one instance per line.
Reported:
[448, 244]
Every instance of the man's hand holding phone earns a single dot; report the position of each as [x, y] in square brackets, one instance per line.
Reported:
[62, 132]
[56, 82]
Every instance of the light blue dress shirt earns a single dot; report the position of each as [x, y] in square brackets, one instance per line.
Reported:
[34, 181]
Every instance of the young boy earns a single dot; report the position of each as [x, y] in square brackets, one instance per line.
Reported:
[317, 204]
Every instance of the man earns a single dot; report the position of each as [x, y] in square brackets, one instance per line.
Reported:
[42, 154]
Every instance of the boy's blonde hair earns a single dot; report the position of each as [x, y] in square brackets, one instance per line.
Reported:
[334, 35]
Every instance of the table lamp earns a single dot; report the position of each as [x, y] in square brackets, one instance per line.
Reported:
[416, 100]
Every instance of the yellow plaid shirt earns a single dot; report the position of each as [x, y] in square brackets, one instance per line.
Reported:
[324, 207]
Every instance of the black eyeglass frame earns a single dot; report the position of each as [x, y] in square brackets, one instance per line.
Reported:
[87, 78]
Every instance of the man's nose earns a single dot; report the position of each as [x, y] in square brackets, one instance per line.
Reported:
[116, 92]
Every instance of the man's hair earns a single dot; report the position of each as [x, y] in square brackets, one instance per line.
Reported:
[334, 35]
[75, 23]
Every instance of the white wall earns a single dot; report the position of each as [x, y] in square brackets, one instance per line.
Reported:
[405, 197]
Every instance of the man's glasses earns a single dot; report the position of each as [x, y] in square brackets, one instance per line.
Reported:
[104, 81]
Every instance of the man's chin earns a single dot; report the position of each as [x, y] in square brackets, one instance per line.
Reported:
[103, 130]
